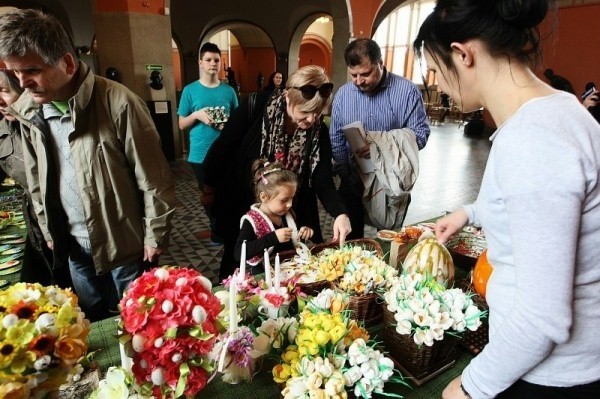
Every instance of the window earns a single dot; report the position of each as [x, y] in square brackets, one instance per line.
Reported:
[395, 35]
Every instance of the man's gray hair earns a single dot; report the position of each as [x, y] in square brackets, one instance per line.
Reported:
[26, 31]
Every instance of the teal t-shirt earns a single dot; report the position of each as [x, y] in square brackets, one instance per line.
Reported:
[196, 96]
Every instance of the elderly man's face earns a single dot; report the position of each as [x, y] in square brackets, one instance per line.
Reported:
[45, 82]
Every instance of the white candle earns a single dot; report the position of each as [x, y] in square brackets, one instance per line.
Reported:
[242, 275]
[267, 270]
[277, 282]
[232, 306]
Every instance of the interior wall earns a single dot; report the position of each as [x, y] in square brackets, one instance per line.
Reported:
[176, 62]
[574, 51]
[255, 60]
[312, 53]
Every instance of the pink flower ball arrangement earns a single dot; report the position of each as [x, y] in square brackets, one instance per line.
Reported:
[169, 320]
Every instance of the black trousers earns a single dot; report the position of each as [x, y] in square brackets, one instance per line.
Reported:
[351, 192]
[526, 390]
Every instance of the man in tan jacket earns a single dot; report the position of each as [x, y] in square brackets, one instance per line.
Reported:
[100, 184]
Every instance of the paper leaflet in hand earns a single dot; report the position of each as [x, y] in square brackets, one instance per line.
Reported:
[357, 138]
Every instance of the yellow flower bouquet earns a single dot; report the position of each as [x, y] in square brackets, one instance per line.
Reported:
[43, 337]
[331, 355]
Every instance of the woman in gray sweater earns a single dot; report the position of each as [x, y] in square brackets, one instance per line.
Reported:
[539, 203]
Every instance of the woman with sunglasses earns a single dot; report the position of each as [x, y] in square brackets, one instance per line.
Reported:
[37, 258]
[539, 203]
[288, 129]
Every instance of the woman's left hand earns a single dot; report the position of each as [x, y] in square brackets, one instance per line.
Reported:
[454, 391]
[341, 228]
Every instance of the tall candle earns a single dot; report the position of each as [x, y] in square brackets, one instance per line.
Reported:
[242, 275]
[267, 270]
[232, 306]
[277, 282]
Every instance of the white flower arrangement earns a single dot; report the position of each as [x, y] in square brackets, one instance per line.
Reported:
[369, 369]
[332, 355]
[362, 369]
[328, 301]
[426, 310]
[118, 384]
[274, 334]
[365, 273]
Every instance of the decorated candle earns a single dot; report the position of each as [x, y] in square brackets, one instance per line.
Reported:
[267, 270]
[242, 275]
[232, 306]
[277, 282]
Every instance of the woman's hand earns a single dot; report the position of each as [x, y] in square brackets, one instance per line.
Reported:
[284, 234]
[151, 254]
[454, 391]
[591, 100]
[304, 233]
[448, 225]
[341, 228]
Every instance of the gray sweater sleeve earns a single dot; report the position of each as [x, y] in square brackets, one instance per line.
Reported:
[531, 205]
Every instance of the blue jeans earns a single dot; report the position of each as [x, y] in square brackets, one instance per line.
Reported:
[98, 294]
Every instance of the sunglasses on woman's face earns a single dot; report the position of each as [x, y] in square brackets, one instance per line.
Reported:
[309, 91]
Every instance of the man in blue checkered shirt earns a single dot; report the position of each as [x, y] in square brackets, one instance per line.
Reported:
[382, 101]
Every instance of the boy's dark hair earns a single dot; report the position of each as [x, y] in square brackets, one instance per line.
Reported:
[209, 47]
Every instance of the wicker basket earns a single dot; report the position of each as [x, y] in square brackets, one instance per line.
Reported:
[313, 289]
[366, 243]
[366, 308]
[421, 361]
[475, 341]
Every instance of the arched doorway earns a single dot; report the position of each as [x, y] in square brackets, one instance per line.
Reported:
[247, 49]
[312, 43]
[316, 46]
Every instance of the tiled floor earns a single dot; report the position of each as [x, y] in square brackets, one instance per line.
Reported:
[451, 167]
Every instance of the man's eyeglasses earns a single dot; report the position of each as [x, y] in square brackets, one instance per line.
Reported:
[309, 91]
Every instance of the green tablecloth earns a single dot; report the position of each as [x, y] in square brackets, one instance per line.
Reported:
[103, 339]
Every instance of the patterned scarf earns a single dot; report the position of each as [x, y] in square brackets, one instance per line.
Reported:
[289, 149]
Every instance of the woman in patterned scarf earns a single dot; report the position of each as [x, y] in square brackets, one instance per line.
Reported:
[285, 127]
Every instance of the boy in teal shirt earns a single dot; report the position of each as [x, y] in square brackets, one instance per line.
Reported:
[204, 107]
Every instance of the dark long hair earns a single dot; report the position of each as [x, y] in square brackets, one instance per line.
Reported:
[271, 83]
[507, 27]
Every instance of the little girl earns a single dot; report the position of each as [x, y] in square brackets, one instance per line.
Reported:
[269, 224]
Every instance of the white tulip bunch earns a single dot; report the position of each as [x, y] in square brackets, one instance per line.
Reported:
[369, 369]
[426, 310]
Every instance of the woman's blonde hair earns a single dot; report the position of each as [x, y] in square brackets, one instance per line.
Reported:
[307, 75]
